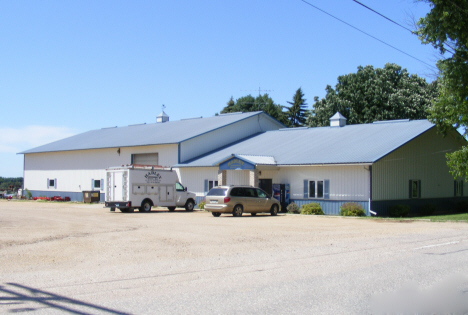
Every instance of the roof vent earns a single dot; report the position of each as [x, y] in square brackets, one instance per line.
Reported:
[162, 118]
[337, 120]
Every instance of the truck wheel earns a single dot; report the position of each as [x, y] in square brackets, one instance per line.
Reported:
[145, 206]
[112, 209]
[171, 208]
[189, 205]
[123, 210]
[216, 214]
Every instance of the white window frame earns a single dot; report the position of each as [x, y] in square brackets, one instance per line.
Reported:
[212, 183]
[53, 181]
[97, 181]
[316, 188]
[458, 188]
[413, 195]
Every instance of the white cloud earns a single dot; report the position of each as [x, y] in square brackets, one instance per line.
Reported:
[14, 140]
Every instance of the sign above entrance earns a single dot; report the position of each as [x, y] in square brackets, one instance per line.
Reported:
[236, 164]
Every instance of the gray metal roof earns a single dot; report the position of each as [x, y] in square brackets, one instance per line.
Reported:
[365, 143]
[144, 134]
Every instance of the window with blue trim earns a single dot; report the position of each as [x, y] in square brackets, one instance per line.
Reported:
[316, 189]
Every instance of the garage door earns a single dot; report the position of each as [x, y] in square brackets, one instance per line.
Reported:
[145, 159]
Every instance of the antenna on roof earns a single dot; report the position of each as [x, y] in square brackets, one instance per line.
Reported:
[259, 95]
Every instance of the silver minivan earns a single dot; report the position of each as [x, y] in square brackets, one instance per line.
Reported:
[239, 199]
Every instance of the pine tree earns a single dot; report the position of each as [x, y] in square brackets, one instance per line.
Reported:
[229, 107]
[297, 112]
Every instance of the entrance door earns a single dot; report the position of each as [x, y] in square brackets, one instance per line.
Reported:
[266, 184]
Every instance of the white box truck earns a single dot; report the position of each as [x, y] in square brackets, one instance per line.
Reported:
[142, 187]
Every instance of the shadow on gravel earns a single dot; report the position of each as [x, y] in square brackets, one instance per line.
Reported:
[16, 295]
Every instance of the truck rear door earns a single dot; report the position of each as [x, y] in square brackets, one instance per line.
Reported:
[117, 186]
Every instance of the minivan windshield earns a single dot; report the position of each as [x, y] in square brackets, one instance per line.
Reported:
[217, 192]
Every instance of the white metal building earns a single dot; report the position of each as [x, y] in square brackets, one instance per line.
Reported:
[70, 166]
[376, 165]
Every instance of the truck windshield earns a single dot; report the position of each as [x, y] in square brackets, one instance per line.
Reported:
[179, 187]
[217, 192]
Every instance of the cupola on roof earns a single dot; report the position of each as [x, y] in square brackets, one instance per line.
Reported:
[337, 120]
[161, 118]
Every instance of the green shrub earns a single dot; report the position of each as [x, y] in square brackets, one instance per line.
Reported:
[293, 208]
[427, 209]
[398, 211]
[352, 209]
[201, 205]
[28, 193]
[311, 208]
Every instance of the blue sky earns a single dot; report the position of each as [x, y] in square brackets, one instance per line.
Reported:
[72, 66]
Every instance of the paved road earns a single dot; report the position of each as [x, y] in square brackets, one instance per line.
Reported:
[83, 259]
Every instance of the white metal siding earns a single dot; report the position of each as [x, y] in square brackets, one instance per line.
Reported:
[75, 169]
[346, 182]
[213, 140]
[194, 178]
[67, 180]
[421, 159]
[146, 159]
[237, 177]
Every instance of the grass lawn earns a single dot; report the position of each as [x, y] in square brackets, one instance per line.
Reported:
[459, 217]
[446, 217]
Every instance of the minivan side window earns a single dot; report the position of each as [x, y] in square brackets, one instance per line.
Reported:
[250, 192]
[261, 193]
[237, 192]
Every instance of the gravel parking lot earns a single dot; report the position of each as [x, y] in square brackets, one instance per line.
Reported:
[83, 259]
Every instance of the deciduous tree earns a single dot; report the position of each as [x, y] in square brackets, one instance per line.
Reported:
[446, 28]
[260, 103]
[375, 94]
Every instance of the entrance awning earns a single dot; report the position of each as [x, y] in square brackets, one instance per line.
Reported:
[245, 162]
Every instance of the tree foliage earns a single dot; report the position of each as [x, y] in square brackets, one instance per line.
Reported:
[446, 28]
[297, 112]
[5, 182]
[375, 94]
[249, 103]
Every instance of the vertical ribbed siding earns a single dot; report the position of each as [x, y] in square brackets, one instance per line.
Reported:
[421, 159]
[213, 140]
[237, 177]
[194, 178]
[346, 182]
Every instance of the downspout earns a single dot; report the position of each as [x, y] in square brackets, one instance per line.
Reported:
[370, 190]
[178, 153]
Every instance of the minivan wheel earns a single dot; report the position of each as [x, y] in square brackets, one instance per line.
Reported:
[253, 214]
[216, 214]
[237, 211]
[274, 210]
[189, 205]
